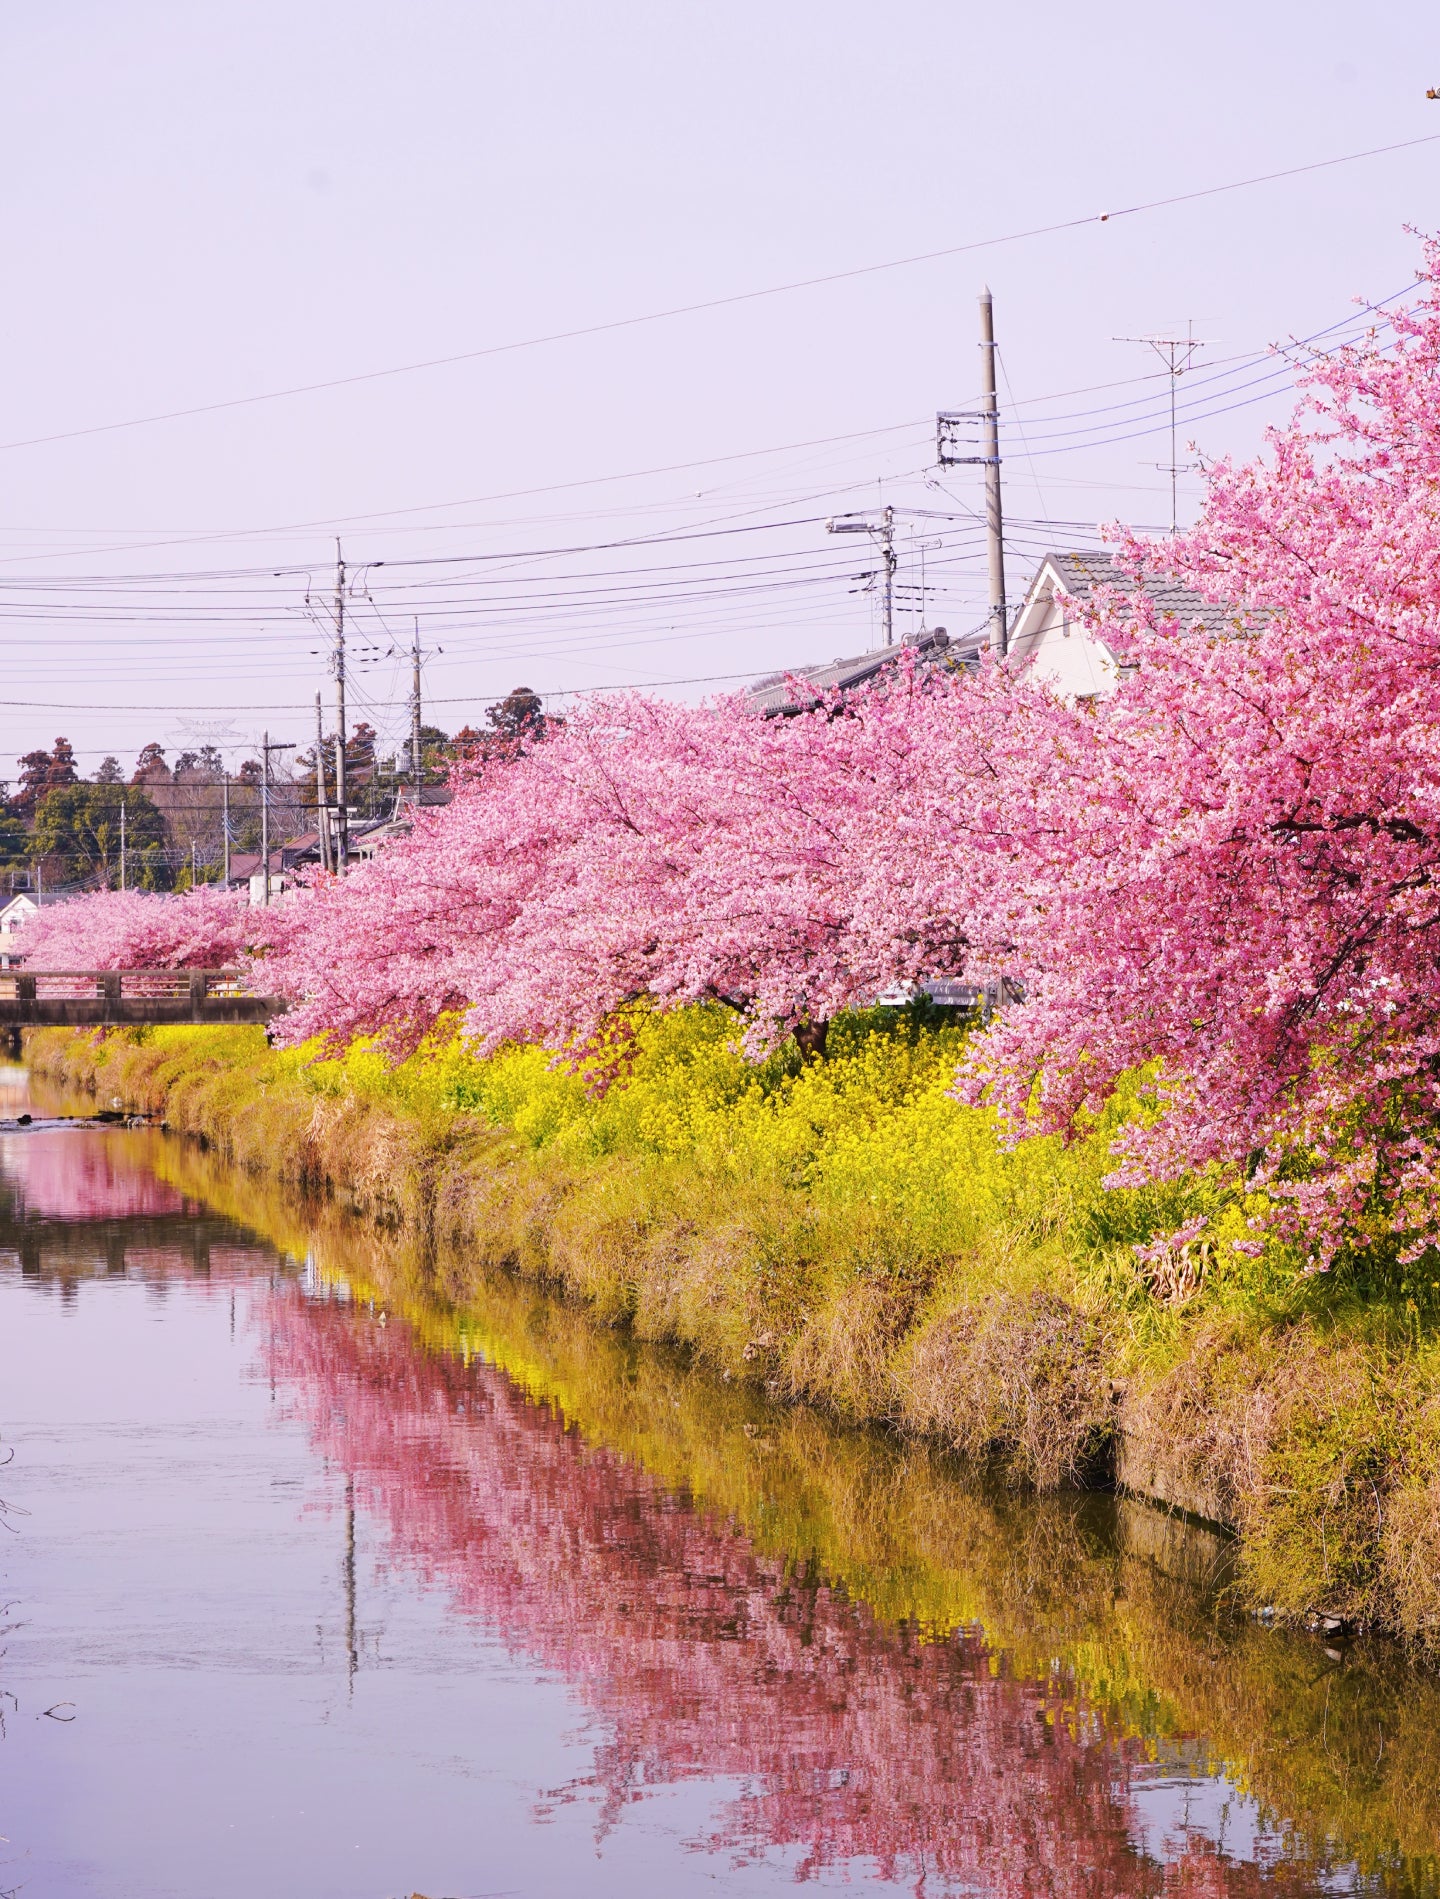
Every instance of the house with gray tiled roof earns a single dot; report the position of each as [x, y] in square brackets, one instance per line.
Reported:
[778, 695]
[1063, 651]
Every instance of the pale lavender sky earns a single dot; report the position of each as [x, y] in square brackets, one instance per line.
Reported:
[205, 202]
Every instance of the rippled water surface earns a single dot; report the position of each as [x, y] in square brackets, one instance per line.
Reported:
[315, 1584]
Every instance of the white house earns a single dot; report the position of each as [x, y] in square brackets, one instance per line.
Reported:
[18, 912]
[1059, 646]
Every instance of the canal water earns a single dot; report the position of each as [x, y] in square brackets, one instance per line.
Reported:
[316, 1583]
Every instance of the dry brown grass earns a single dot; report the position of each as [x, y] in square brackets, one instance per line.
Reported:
[844, 1351]
[1198, 1434]
[1322, 1451]
[1410, 1557]
[1020, 1375]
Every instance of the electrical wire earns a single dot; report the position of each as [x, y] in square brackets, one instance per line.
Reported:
[735, 298]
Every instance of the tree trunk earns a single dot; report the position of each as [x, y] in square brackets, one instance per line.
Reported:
[811, 1039]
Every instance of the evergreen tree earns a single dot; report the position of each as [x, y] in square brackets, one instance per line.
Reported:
[42, 771]
[77, 833]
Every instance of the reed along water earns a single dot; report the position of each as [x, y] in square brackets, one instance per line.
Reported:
[315, 1583]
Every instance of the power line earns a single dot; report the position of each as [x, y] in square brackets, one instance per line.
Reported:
[246, 601]
[1038, 432]
[720, 303]
[476, 501]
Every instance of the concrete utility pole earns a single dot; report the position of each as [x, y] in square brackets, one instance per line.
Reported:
[225, 822]
[416, 768]
[994, 520]
[887, 552]
[884, 534]
[265, 815]
[322, 816]
[122, 837]
[342, 816]
[267, 747]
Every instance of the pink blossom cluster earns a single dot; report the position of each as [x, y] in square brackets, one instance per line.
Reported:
[138, 929]
[672, 854]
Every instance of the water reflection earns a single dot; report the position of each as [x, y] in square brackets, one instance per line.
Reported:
[871, 1670]
[80, 1200]
[859, 1744]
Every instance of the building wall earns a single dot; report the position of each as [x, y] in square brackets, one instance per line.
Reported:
[1068, 658]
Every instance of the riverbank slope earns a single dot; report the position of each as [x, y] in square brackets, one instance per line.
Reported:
[847, 1234]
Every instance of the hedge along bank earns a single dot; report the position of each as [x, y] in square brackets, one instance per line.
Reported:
[847, 1233]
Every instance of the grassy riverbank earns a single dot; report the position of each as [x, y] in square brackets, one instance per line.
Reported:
[846, 1233]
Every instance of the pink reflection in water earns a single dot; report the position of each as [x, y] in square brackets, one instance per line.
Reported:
[80, 1174]
[857, 1744]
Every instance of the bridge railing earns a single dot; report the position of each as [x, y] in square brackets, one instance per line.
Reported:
[190, 986]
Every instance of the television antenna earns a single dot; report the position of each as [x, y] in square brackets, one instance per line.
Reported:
[1177, 353]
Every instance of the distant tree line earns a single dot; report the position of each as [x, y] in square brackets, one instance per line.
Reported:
[60, 830]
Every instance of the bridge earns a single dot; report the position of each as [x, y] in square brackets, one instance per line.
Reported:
[111, 998]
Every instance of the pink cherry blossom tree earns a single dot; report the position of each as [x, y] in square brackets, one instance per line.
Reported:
[674, 855]
[1232, 869]
[110, 929]
[1228, 874]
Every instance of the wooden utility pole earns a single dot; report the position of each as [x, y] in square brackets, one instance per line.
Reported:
[342, 823]
[994, 522]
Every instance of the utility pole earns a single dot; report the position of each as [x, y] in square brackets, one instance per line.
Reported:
[994, 520]
[884, 534]
[952, 431]
[416, 768]
[225, 822]
[352, 1646]
[267, 747]
[122, 837]
[194, 865]
[322, 816]
[342, 817]
[1177, 353]
[887, 553]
